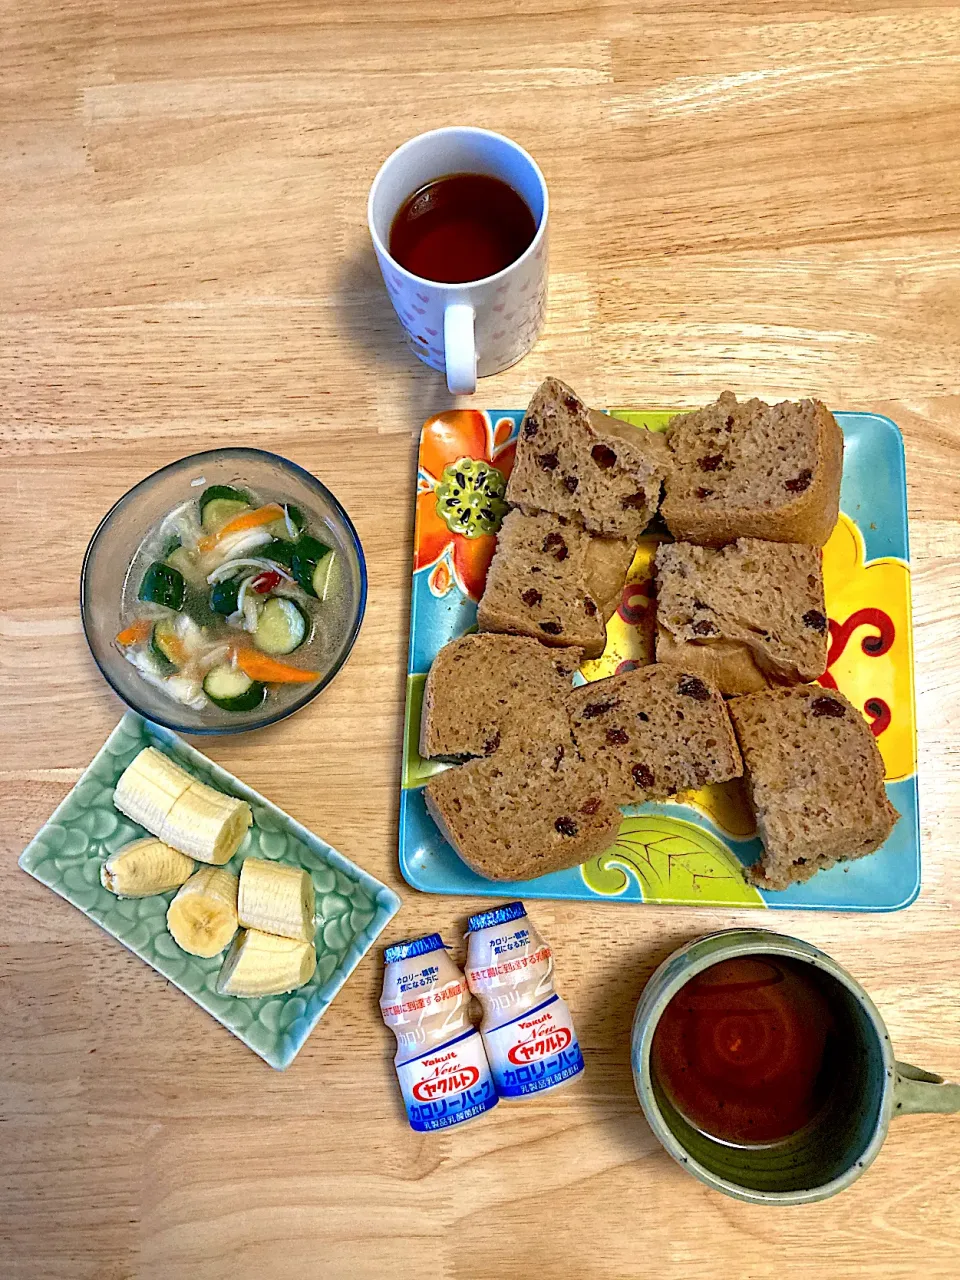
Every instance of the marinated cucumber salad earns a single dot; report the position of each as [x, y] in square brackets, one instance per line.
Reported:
[222, 592]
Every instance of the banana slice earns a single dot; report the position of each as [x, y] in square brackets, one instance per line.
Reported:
[145, 867]
[276, 899]
[149, 788]
[182, 812]
[203, 916]
[261, 964]
[206, 824]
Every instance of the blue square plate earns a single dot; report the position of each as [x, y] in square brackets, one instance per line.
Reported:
[689, 849]
[352, 907]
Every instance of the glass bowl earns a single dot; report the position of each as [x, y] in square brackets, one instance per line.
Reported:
[108, 559]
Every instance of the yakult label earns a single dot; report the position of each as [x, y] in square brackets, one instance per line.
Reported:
[534, 1051]
[527, 1029]
[441, 1062]
[447, 1085]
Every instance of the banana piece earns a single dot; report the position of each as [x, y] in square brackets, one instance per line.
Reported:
[206, 824]
[261, 964]
[276, 899]
[203, 916]
[145, 867]
[149, 788]
[179, 810]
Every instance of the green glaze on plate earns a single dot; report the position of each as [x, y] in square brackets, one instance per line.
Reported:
[416, 770]
[352, 907]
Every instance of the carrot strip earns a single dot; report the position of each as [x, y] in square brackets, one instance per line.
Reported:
[136, 632]
[259, 667]
[248, 520]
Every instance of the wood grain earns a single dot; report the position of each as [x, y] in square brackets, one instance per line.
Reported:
[761, 195]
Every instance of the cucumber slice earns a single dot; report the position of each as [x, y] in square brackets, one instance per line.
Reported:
[232, 690]
[221, 503]
[223, 597]
[183, 561]
[162, 584]
[170, 546]
[281, 627]
[279, 527]
[166, 644]
[218, 492]
[307, 555]
[321, 576]
[280, 552]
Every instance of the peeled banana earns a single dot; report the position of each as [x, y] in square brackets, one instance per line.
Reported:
[145, 867]
[149, 787]
[261, 964]
[179, 810]
[203, 916]
[275, 898]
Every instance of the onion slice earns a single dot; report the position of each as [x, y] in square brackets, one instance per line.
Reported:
[230, 567]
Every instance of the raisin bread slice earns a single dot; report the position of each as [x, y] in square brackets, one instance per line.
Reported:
[527, 810]
[653, 732]
[746, 616]
[814, 775]
[580, 463]
[753, 470]
[551, 580]
[482, 688]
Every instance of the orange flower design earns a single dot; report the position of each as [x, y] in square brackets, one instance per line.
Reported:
[455, 530]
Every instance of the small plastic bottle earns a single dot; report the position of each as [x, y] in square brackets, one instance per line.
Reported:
[441, 1064]
[527, 1029]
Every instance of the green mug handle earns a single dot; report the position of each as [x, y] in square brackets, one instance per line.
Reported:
[918, 1091]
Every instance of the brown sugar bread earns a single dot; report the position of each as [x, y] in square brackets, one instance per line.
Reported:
[746, 616]
[582, 464]
[814, 774]
[551, 580]
[653, 732]
[483, 687]
[753, 470]
[528, 809]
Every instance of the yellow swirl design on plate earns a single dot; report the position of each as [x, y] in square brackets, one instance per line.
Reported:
[868, 603]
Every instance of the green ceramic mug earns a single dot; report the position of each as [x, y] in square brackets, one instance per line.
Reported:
[835, 1148]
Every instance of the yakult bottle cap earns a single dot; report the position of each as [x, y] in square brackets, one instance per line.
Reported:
[413, 947]
[499, 915]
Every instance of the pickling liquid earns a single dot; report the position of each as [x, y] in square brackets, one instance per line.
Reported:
[747, 1051]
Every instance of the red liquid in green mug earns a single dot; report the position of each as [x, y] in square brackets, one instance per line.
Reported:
[742, 1051]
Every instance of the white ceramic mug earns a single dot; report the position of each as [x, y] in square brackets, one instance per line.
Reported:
[482, 326]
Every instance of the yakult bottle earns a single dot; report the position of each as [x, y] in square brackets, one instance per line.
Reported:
[441, 1064]
[526, 1027]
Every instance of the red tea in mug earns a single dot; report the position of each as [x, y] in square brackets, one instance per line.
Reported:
[462, 227]
[745, 1050]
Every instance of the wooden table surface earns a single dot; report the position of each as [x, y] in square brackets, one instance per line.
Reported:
[756, 195]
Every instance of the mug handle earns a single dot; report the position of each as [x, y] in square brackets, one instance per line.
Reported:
[460, 349]
[918, 1091]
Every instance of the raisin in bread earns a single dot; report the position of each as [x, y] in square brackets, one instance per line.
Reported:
[746, 616]
[753, 470]
[814, 775]
[482, 688]
[653, 732]
[579, 463]
[528, 809]
[552, 580]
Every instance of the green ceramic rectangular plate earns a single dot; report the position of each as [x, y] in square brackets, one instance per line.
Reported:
[352, 907]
